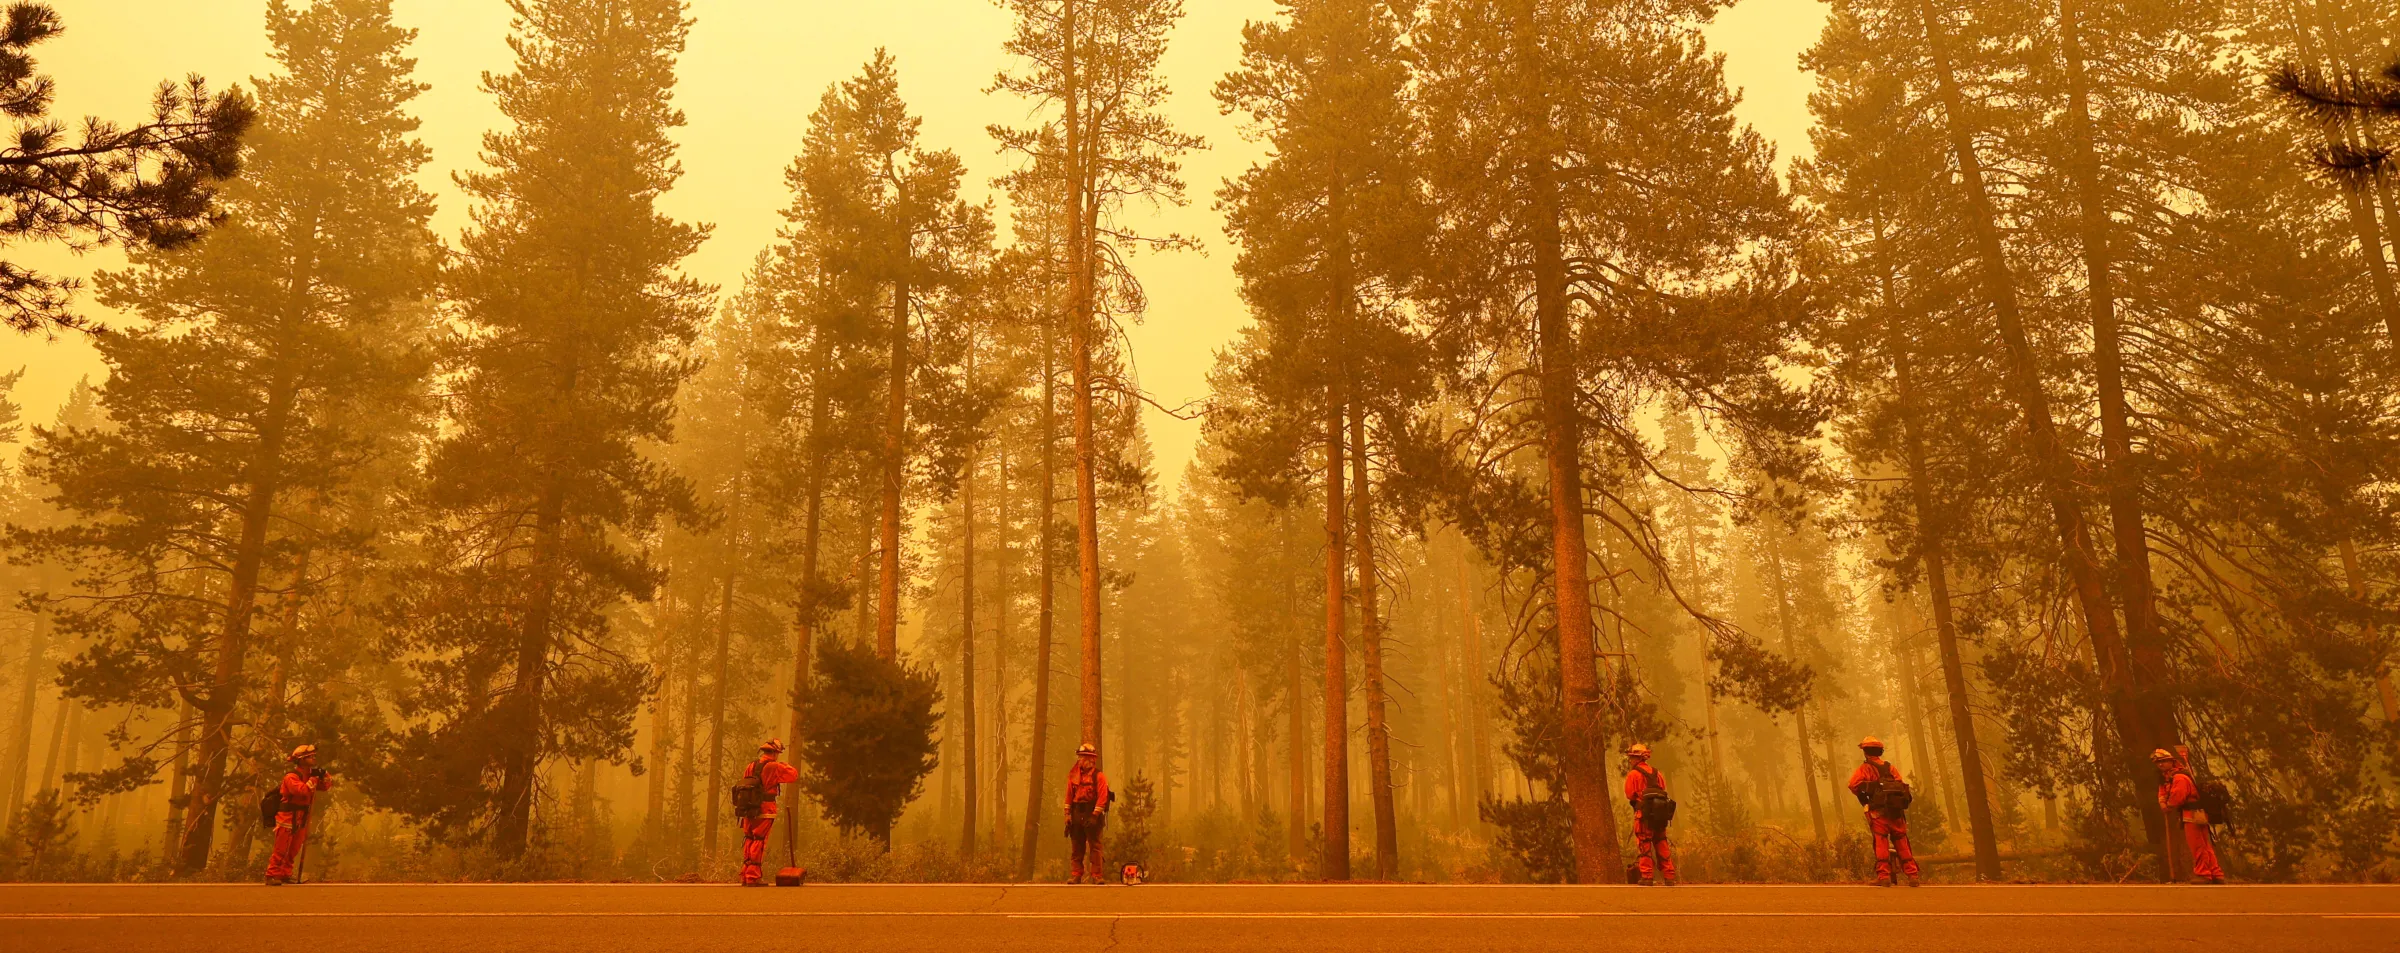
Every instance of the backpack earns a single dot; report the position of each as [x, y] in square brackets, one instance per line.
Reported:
[1655, 807]
[2215, 799]
[1889, 795]
[750, 795]
[270, 804]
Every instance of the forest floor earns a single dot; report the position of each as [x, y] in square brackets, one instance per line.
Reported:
[603, 918]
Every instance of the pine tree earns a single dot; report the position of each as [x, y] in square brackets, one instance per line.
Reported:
[245, 404]
[575, 328]
[1629, 238]
[1098, 60]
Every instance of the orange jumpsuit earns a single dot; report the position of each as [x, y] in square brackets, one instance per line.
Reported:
[754, 830]
[1657, 856]
[1087, 807]
[1891, 833]
[291, 823]
[2178, 794]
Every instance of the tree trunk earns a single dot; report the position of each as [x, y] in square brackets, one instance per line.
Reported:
[1791, 647]
[1295, 689]
[809, 613]
[1084, 207]
[1479, 774]
[1379, 730]
[1045, 505]
[178, 783]
[1583, 757]
[2056, 469]
[263, 479]
[895, 459]
[1334, 862]
[1835, 789]
[520, 746]
[58, 743]
[2145, 646]
[1912, 708]
[2356, 576]
[716, 717]
[1000, 603]
[972, 811]
[1691, 562]
[654, 822]
[2390, 204]
[1932, 547]
[20, 755]
[687, 798]
[1447, 668]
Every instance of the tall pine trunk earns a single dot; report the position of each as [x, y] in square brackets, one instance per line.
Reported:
[1479, 773]
[1791, 648]
[262, 478]
[687, 798]
[1583, 755]
[1084, 207]
[178, 783]
[1296, 714]
[1045, 598]
[716, 718]
[20, 753]
[1334, 863]
[1000, 603]
[2145, 646]
[972, 809]
[1932, 552]
[654, 821]
[2355, 575]
[809, 613]
[1379, 730]
[895, 460]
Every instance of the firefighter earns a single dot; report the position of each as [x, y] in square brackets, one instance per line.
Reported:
[1087, 812]
[1657, 857]
[298, 793]
[771, 774]
[1890, 832]
[2179, 796]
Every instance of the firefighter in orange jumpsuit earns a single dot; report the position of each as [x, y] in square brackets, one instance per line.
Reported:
[2179, 797]
[1891, 833]
[1657, 857]
[772, 774]
[1087, 812]
[299, 793]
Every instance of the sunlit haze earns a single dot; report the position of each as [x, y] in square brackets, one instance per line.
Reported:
[752, 74]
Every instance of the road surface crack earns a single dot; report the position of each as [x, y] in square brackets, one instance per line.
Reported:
[1112, 934]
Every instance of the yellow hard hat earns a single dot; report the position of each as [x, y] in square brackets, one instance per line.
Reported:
[1638, 750]
[304, 751]
[1870, 741]
[2161, 754]
[772, 744]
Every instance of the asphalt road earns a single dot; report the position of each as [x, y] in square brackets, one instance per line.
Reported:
[597, 918]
